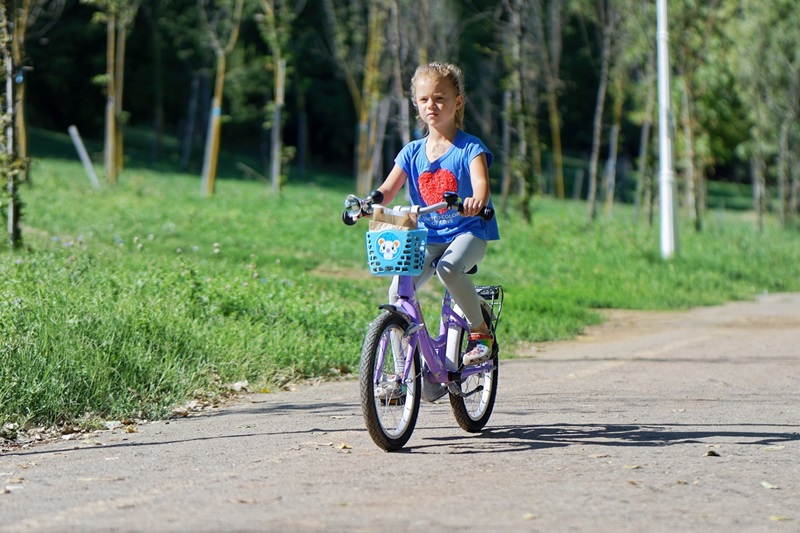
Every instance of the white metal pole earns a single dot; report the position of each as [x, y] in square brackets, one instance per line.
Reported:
[666, 177]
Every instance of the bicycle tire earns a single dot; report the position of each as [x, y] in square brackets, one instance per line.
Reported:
[389, 422]
[472, 413]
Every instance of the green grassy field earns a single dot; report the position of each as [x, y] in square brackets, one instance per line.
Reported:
[129, 300]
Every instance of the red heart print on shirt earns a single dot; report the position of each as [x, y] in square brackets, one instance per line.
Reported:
[432, 185]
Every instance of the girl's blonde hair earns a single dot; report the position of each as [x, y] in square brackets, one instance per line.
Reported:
[442, 71]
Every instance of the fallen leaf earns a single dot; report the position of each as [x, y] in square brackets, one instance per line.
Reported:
[598, 455]
[131, 429]
[632, 467]
[712, 453]
[344, 446]
[529, 516]
[780, 518]
[774, 448]
[768, 485]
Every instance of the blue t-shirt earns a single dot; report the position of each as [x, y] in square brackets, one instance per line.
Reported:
[428, 180]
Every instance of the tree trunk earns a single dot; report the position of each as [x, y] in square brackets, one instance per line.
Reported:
[555, 135]
[119, 85]
[20, 25]
[520, 167]
[794, 197]
[379, 125]
[302, 134]
[505, 184]
[598, 121]
[613, 147]
[11, 165]
[643, 183]
[211, 155]
[535, 172]
[370, 96]
[757, 169]
[404, 120]
[609, 177]
[277, 146]
[554, 60]
[689, 170]
[111, 106]
[783, 172]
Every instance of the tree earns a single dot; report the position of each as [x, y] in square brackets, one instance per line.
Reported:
[769, 70]
[607, 17]
[356, 41]
[222, 20]
[641, 58]
[37, 16]
[118, 16]
[696, 43]
[521, 103]
[549, 38]
[10, 163]
[275, 21]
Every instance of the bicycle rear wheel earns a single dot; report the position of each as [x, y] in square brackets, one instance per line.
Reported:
[390, 404]
[472, 411]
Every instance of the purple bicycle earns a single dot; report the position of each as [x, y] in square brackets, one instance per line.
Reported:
[401, 362]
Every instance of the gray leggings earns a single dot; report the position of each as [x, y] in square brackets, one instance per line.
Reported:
[455, 260]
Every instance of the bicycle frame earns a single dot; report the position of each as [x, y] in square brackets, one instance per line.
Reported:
[434, 351]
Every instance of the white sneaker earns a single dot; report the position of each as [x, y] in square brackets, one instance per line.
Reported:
[479, 349]
[389, 390]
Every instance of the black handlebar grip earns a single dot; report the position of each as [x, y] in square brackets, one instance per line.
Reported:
[377, 196]
[347, 219]
[487, 214]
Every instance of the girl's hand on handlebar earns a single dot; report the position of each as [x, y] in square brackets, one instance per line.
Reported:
[473, 206]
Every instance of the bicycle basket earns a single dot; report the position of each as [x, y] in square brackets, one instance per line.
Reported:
[392, 252]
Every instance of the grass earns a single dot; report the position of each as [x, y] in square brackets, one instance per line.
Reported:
[129, 300]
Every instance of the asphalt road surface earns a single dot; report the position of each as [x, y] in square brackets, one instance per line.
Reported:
[683, 421]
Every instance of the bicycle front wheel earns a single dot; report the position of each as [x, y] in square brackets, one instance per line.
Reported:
[474, 406]
[389, 400]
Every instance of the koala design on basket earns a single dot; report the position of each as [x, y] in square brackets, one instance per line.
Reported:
[388, 248]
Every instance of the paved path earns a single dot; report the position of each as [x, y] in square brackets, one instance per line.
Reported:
[653, 422]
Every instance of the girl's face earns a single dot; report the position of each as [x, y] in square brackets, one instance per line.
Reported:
[437, 101]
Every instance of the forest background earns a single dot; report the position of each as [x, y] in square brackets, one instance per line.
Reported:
[563, 91]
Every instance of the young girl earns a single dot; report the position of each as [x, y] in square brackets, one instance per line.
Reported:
[448, 159]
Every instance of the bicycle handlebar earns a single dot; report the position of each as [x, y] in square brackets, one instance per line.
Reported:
[355, 207]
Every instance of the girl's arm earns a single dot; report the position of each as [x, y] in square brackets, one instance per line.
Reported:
[479, 177]
[392, 184]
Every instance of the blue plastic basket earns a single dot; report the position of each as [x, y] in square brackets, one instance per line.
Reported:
[396, 253]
